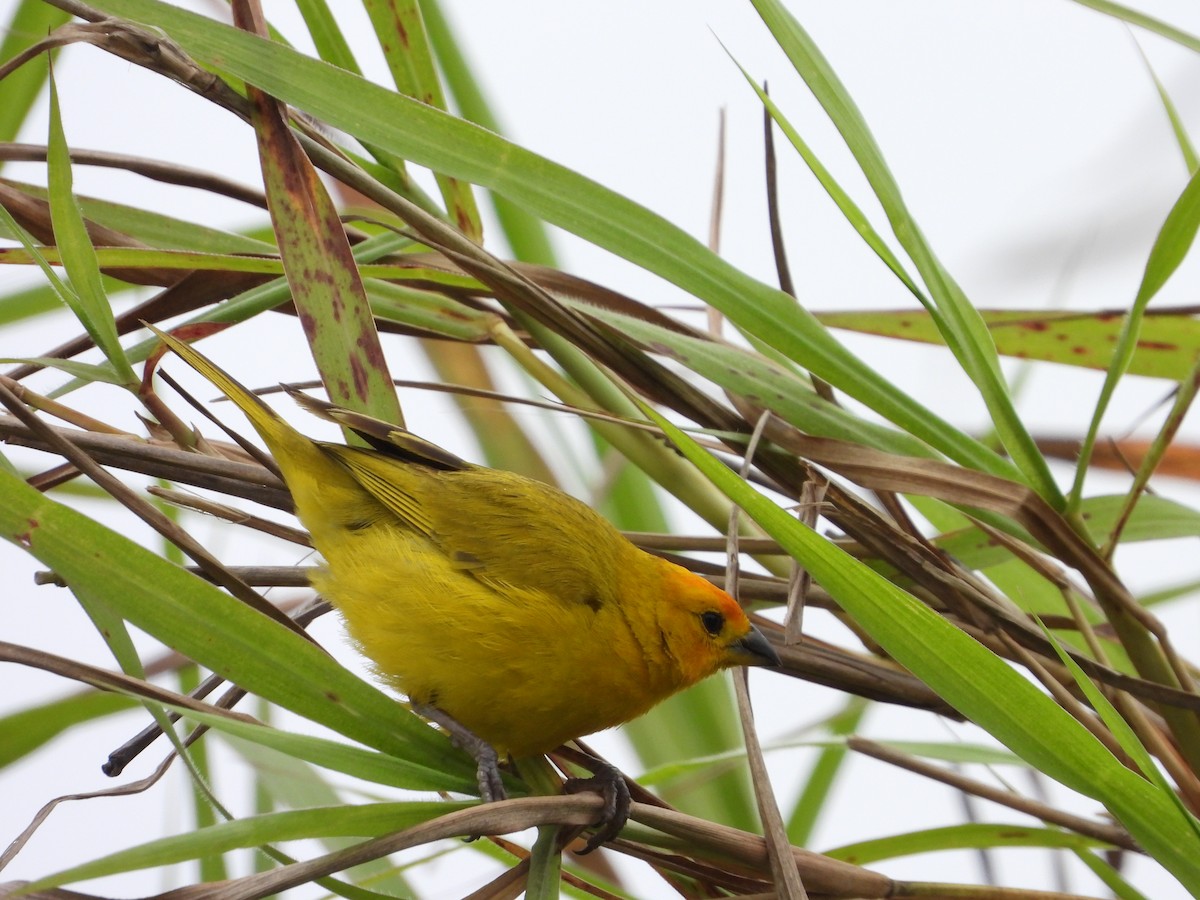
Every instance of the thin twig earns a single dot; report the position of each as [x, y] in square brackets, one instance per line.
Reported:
[1110, 834]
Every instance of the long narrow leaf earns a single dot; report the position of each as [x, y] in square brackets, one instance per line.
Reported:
[1170, 247]
[370, 820]
[966, 334]
[400, 27]
[321, 271]
[30, 22]
[78, 255]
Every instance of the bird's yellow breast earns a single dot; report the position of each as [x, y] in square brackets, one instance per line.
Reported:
[521, 670]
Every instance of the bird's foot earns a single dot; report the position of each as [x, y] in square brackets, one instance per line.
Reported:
[609, 783]
[487, 772]
[487, 764]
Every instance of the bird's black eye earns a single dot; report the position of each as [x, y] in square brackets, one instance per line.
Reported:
[713, 622]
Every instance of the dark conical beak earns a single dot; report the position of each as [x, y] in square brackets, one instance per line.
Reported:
[754, 650]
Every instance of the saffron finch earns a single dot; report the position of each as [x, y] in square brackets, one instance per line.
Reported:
[493, 601]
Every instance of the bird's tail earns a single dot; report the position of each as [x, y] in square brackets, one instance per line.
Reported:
[296, 454]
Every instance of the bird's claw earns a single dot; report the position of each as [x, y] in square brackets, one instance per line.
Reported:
[487, 763]
[487, 774]
[610, 784]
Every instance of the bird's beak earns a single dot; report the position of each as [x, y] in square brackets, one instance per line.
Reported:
[754, 650]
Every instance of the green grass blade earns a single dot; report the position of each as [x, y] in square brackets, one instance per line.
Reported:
[1166, 348]
[1186, 148]
[971, 836]
[364, 764]
[525, 234]
[23, 732]
[1172, 244]
[368, 820]
[91, 306]
[1111, 878]
[849, 209]
[158, 229]
[83, 371]
[30, 22]
[327, 36]
[1133, 17]
[1128, 740]
[400, 27]
[966, 334]
[819, 783]
[770, 384]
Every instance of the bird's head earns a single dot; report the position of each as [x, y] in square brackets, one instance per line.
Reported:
[704, 630]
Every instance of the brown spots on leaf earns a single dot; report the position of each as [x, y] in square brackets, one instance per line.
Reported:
[371, 350]
[361, 378]
[307, 322]
[461, 217]
[1034, 325]
[1157, 345]
[25, 538]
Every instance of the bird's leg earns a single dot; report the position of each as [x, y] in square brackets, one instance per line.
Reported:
[487, 768]
[609, 783]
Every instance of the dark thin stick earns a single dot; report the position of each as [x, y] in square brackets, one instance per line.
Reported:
[718, 198]
[158, 460]
[157, 170]
[1110, 834]
[247, 446]
[784, 869]
[982, 854]
[782, 268]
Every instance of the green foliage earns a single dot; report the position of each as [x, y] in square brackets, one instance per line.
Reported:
[978, 589]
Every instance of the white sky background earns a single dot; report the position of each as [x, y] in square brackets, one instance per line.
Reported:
[1029, 142]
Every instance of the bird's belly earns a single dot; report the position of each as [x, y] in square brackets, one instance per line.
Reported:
[521, 670]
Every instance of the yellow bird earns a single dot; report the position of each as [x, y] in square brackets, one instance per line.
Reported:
[500, 606]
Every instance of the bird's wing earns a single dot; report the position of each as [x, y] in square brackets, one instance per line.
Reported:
[512, 533]
[392, 483]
